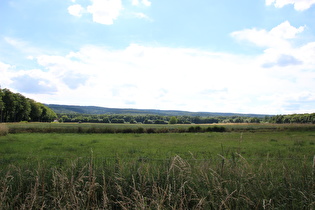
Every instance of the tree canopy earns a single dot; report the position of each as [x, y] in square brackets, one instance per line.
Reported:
[14, 107]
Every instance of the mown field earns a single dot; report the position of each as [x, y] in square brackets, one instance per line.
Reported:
[98, 166]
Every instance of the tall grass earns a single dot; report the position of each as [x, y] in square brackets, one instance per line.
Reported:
[170, 184]
[151, 128]
[4, 130]
[111, 128]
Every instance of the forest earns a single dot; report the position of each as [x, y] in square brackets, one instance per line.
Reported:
[14, 107]
[155, 119]
[161, 119]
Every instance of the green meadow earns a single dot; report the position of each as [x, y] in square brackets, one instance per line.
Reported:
[254, 145]
[98, 166]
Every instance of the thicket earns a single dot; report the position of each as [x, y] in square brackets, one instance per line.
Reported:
[14, 107]
[118, 129]
[293, 118]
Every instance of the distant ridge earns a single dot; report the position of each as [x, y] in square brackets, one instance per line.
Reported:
[73, 109]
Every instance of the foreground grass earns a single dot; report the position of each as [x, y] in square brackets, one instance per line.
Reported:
[260, 169]
[173, 184]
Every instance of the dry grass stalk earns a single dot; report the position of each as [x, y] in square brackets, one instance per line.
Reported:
[4, 130]
[178, 184]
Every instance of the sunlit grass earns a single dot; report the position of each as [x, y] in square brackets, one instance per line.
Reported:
[247, 167]
[159, 146]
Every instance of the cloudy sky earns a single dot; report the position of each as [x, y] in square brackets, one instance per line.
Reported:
[240, 56]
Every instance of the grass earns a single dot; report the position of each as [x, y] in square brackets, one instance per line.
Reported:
[159, 146]
[173, 184]
[4, 130]
[151, 128]
[248, 167]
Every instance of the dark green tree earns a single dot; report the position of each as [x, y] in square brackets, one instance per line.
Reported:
[173, 120]
[1, 105]
[36, 111]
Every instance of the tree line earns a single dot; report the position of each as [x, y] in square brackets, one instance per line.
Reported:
[160, 119]
[293, 118]
[155, 119]
[14, 107]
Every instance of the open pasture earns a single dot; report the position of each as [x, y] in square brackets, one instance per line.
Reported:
[246, 167]
[210, 145]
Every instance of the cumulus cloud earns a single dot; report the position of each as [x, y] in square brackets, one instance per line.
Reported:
[299, 5]
[29, 84]
[149, 77]
[5, 74]
[159, 77]
[69, 72]
[278, 45]
[279, 36]
[283, 60]
[105, 11]
[76, 10]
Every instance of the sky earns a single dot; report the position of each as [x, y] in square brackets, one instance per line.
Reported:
[240, 56]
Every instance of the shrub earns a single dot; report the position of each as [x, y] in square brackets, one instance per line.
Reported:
[191, 129]
[4, 130]
[140, 130]
[150, 130]
[117, 120]
[219, 129]
[198, 128]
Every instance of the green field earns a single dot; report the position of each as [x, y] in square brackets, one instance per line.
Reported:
[254, 145]
[249, 166]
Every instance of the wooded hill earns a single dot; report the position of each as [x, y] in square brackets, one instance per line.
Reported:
[14, 107]
[72, 109]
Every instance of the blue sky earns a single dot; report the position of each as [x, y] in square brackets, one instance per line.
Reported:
[218, 56]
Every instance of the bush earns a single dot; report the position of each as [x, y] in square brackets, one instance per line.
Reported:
[140, 130]
[194, 129]
[117, 120]
[219, 129]
[191, 129]
[4, 130]
[150, 130]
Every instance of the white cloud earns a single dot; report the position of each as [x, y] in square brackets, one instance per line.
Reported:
[168, 78]
[105, 11]
[299, 5]
[158, 77]
[277, 37]
[76, 10]
[23, 46]
[146, 3]
[5, 74]
[143, 2]
[135, 2]
[142, 16]
[278, 44]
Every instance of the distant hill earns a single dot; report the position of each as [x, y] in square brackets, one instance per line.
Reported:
[67, 109]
